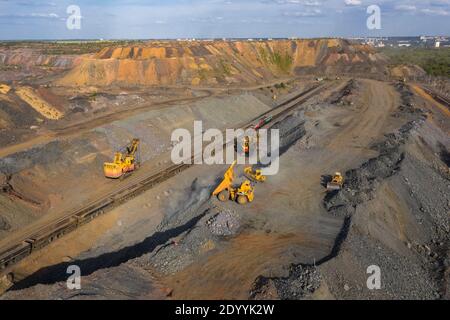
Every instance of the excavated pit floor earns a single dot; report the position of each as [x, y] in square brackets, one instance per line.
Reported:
[164, 243]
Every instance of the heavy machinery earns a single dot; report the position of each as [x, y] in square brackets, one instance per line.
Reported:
[250, 140]
[255, 175]
[125, 161]
[336, 183]
[226, 191]
[245, 145]
[263, 122]
[253, 139]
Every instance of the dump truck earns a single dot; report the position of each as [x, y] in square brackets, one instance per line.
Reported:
[125, 162]
[225, 191]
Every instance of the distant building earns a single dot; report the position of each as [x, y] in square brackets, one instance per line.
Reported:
[437, 44]
[425, 38]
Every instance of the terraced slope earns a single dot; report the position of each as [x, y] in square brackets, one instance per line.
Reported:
[219, 62]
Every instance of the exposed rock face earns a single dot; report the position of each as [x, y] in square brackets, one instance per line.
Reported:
[220, 62]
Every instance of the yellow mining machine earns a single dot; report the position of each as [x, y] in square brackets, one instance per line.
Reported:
[336, 183]
[125, 161]
[226, 191]
[255, 175]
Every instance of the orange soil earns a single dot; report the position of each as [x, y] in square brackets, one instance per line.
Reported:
[195, 63]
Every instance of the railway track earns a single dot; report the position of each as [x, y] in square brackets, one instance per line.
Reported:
[439, 98]
[42, 236]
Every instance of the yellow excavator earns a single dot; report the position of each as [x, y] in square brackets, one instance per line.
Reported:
[336, 183]
[124, 163]
[226, 191]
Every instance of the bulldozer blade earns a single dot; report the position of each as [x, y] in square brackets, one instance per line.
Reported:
[333, 187]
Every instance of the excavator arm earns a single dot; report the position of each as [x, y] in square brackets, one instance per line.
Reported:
[132, 149]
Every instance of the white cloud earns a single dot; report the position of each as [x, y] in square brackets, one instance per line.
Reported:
[309, 3]
[306, 13]
[405, 7]
[44, 15]
[436, 12]
[312, 3]
[353, 2]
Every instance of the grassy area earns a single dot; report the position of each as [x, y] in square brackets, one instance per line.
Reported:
[65, 47]
[225, 67]
[435, 62]
[282, 60]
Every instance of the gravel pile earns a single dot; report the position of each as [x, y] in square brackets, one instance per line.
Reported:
[302, 281]
[225, 223]
[424, 190]
[360, 183]
[344, 97]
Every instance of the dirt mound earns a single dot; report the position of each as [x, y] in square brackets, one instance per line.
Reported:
[393, 220]
[16, 113]
[302, 281]
[28, 95]
[27, 58]
[407, 71]
[219, 62]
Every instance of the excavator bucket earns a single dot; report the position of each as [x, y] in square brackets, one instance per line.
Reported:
[112, 170]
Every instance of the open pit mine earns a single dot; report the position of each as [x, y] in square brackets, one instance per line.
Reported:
[358, 208]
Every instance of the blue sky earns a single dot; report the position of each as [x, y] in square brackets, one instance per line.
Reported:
[113, 19]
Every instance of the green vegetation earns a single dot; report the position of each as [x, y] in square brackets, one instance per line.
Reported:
[4, 67]
[203, 74]
[264, 55]
[280, 85]
[225, 68]
[435, 62]
[282, 61]
[92, 96]
[65, 47]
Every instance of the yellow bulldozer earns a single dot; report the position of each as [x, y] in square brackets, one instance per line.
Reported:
[125, 162]
[255, 175]
[336, 183]
[226, 191]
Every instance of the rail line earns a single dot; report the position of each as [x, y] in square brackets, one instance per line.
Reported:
[439, 98]
[42, 236]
